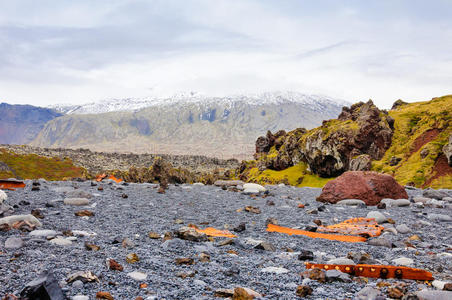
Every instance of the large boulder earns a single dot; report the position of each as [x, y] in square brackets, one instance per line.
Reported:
[370, 187]
[447, 150]
[360, 129]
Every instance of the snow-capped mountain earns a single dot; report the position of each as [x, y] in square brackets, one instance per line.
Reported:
[186, 123]
[135, 104]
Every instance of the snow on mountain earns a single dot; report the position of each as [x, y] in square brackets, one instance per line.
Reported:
[135, 104]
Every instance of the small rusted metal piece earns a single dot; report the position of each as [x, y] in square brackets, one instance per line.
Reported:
[8, 184]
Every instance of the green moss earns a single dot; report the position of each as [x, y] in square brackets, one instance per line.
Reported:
[412, 121]
[295, 175]
[32, 166]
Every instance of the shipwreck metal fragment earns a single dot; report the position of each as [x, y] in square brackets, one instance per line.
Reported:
[376, 271]
[9, 184]
[366, 227]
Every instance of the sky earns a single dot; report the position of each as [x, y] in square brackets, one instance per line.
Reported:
[66, 51]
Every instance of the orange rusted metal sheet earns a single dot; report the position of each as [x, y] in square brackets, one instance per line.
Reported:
[376, 271]
[7, 184]
[117, 180]
[210, 231]
[315, 235]
[100, 177]
[356, 226]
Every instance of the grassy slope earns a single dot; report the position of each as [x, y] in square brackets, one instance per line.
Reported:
[32, 166]
[411, 122]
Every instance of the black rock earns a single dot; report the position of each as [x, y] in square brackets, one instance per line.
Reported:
[321, 208]
[24, 202]
[305, 255]
[240, 228]
[311, 228]
[45, 287]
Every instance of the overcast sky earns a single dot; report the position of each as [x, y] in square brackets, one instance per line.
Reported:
[80, 51]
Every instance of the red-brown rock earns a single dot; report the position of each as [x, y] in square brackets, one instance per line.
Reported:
[370, 187]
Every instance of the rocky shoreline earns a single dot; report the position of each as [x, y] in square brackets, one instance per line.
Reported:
[90, 224]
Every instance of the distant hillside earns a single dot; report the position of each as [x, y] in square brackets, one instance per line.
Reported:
[412, 142]
[20, 124]
[218, 127]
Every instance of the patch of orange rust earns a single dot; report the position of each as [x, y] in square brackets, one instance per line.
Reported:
[117, 180]
[376, 271]
[356, 226]
[100, 177]
[315, 235]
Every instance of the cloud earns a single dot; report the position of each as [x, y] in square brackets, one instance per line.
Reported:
[79, 51]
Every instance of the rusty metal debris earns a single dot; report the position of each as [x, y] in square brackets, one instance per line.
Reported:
[376, 271]
[10, 184]
[101, 177]
[315, 235]
[357, 226]
[210, 231]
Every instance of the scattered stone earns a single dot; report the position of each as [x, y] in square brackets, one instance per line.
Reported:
[91, 247]
[378, 216]
[435, 194]
[37, 214]
[265, 246]
[395, 293]
[185, 261]
[368, 293]
[14, 243]
[335, 275]
[132, 258]
[303, 291]
[403, 261]
[305, 255]
[340, 261]
[83, 276]
[381, 205]
[10, 220]
[190, 234]
[439, 217]
[276, 270]
[154, 235]
[271, 221]
[43, 233]
[252, 209]
[76, 201]
[351, 202]
[315, 274]
[44, 287]
[138, 276]
[254, 186]
[448, 286]
[380, 242]
[104, 295]
[127, 243]
[204, 257]
[84, 213]
[228, 183]
[402, 228]
[434, 295]
[240, 228]
[114, 265]
[60, 241]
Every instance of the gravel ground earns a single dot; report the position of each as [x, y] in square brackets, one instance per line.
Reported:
[232, 265]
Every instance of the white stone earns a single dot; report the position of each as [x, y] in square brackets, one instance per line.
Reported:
[351, 202]
[438, 284]
[3, 196]
[138, 276]
[341, 261]
[10, 220]
[80, 297]
[402, 228]
[256, 186]
[198, 184]
[44, 232]
[447, 199]
[401, 202]
[276, 270]
[421, 200]
[403, 261]
[83, 233]
[387, 201]
[61, 241]
[439, 217]
[426, 294]
[436, 203]
[76, 201]
[378, 216]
